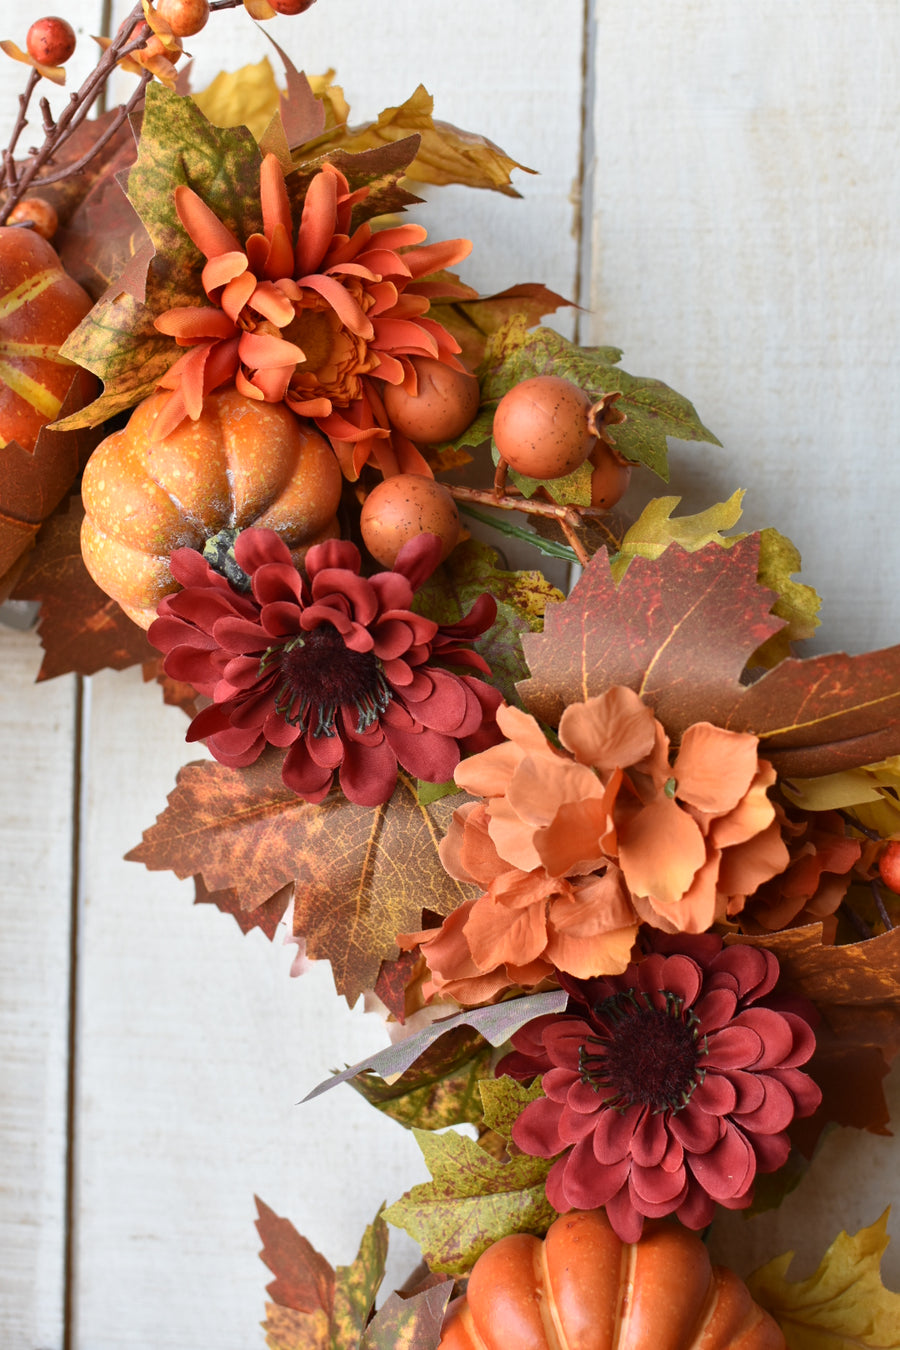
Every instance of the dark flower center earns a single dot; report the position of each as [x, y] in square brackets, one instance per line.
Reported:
[317, 674]
[646, 1055]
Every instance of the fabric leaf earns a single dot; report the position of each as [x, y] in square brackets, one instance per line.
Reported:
[409, 1323]
[843, 1305]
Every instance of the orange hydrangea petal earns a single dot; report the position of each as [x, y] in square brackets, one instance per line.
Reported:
[714, 767]
[203, 225]
[694, 911]
[747, 866]
[513, 840]
[598, 954]
[496, 934]
[661, 849]
[581, 837]
[614, 730]
[540, 786]
[467, 851]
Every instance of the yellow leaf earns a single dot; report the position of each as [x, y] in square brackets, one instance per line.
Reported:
[446, 154]
[241, 98]
[337, 109]
[871, 793]
[842, 1306]
[654, 530]
[797, 603]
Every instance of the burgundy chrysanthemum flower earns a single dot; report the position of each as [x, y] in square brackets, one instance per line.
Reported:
[334, 667]
[668, 1087]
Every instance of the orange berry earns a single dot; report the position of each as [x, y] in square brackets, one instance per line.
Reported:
[403, 507]
[610, 477]
[889, 866]
[184, 17]
[291, 6]
[50, 41]
[36, 212]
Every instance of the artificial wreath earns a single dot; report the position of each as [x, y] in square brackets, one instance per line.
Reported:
[619, 868]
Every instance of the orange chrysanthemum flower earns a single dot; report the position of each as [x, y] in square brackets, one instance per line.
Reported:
[575, 846]
[320, 320]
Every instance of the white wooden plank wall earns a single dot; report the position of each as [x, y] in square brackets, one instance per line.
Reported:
[741, 244]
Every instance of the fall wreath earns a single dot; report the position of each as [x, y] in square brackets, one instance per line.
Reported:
[643, 941]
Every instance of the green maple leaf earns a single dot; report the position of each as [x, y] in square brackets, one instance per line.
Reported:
[473, 1199]
[355, 1287]
[653, 410]
[178, 147]
[843, 1305]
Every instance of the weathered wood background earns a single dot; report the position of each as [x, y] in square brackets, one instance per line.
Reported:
[718, 188]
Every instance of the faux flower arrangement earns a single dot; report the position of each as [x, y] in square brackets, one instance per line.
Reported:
[623, 909]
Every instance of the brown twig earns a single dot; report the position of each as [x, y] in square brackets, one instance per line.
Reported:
[880, 905]
[569, 517]
[19, 177]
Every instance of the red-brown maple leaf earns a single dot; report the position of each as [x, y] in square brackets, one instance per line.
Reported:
[361, 876]
[680, 629]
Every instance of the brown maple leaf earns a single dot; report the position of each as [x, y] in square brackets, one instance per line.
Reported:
[856, 988]
[266, 916]
[680, 629]
[361, 876]
[80, 628]
[303, 1278]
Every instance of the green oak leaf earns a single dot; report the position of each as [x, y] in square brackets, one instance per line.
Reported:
[471, 1201]
[655, 529]
[521, 599]
[653, 410]
[355, 1287]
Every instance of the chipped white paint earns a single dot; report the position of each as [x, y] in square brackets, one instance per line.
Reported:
[743, 248]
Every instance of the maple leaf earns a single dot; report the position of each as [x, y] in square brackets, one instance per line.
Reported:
[409, 1323]
[361, 876]
[797, 604]
[267, 916]
[653, 410]
[856, 988]
[303, 1278]
[473, 320]
[473, 1199]
[522, 598]
[178, 146]
[843, 1305]
[80, 628]
[680, 631]
[315, 1307]
[445, 154]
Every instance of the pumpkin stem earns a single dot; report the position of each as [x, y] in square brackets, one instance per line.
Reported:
[219, 553]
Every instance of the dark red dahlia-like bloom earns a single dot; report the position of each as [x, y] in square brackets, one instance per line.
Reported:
[333, 667]
[668, 1087]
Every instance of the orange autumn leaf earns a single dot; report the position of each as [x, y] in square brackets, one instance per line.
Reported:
[360, 876]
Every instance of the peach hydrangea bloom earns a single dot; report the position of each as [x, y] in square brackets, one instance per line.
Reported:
[575, 846]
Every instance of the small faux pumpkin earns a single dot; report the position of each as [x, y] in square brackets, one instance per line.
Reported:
[40, 304]
[582, 1288]
[242, 463]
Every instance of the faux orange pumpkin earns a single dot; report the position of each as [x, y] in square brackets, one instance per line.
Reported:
[242, 463]
[40, 304]
[582, 1288]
